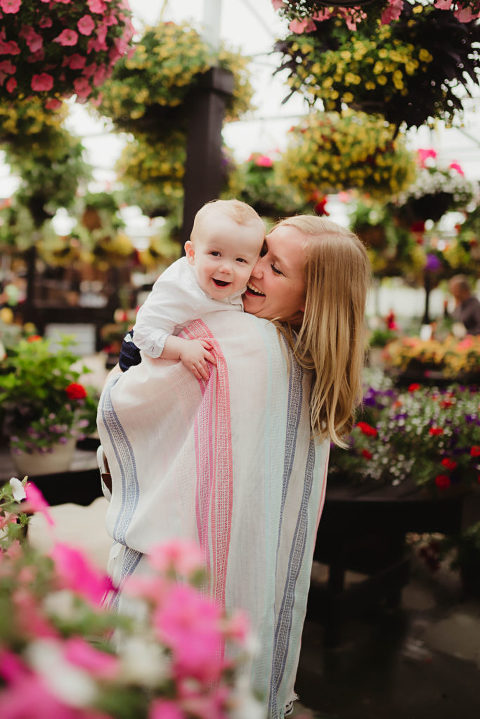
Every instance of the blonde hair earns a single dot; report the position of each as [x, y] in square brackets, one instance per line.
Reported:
[236, 210]
[331, 339]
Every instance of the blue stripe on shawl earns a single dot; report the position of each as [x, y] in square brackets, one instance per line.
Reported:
[130, 561]
[284, 623]
[126, 462]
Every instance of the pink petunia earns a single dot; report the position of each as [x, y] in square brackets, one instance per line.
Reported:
[76, 61]
[42, 82]
[77, 574]
[443, 4]
[301, 26]
[10, 7]
[165, 709]
[53, 104]
[32, 38]
[189, 624]
[11, 84]
[67, 38]
[424, 154]
[35, 501]
[81, 654]
[45, 22]
[7, 67]
[455, 166]
[97, 6]
[182, 556]
[277, 4]
[82, 87]
[264, 161]
[9, 48]
[86, 25]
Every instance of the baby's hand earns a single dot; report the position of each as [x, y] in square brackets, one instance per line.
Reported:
[195, 355]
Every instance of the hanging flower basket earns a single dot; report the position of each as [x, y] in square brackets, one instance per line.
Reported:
[57, 48]
[436, 191]
[304, 14]
[330, 152]
[409, 72]
[257, 183]
[152, 173]
[147, 91]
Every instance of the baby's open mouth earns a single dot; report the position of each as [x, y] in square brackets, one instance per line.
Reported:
[254, 291]
[220, 283]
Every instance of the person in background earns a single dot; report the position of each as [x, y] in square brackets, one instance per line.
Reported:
[467, 306]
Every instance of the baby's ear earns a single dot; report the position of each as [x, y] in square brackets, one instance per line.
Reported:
[190, 252]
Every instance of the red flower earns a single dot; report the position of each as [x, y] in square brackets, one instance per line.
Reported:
[475, 450]
[435, 430]
[449, 463]
[366, 454]
[33, 338]
[413, 387]
[442, 481]
[76, 391]
[367, 429]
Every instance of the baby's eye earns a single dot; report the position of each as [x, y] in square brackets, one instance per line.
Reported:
[241, 259]
[276, 270]
[215, 253]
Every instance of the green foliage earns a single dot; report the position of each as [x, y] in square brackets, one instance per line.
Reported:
[35, 396]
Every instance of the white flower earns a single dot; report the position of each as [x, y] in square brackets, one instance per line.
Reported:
[61, 604]
[18, 489]
[68, 683]
[143, 661]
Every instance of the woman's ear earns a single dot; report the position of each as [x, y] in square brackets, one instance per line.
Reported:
[190, 252]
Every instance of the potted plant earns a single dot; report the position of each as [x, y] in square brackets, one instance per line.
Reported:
[45, 409]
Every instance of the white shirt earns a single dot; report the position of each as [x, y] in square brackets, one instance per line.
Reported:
[175, 300]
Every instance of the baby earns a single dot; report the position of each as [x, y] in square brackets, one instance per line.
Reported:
[224, 245]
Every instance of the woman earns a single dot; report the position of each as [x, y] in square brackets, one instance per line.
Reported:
[239, 463]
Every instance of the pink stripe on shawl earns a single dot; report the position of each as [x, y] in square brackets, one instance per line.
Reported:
[213, 447]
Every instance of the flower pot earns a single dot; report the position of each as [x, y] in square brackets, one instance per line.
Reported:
[37, 463]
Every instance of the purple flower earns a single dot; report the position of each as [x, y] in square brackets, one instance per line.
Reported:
[432, 263]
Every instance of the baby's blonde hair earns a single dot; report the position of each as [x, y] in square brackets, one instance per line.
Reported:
[331, 339]
[236, 210]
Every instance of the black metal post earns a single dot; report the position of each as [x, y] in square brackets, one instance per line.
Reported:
[203, 169]
[427, 283]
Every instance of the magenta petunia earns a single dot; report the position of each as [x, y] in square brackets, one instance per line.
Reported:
[76, 62]
[10, 6]
[7, 67]
[9, 48]
[53, 104]
[86, 25]
[97, 6]
[67, 37]
[82, 87]
[11, 84]
[45, 22]
[42, 82]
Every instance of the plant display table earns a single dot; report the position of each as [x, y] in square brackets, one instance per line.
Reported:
[80, 485]
[363, 528]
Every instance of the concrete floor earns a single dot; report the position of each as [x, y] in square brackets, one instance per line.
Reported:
[420, 661]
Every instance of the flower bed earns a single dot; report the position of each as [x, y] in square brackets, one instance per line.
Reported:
[425, 434]
[457, 360]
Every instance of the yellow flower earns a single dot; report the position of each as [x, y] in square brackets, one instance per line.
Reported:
[425, 56]
[382, 80]
[328, 82]
[369, 85]
[378, 68]
[347, 97]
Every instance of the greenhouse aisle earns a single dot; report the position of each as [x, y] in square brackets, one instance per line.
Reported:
[421, 661]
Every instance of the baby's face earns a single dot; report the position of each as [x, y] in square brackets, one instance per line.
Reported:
[223, 255]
